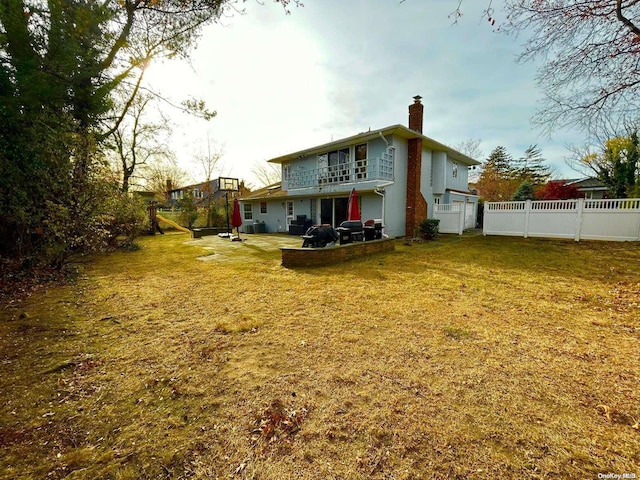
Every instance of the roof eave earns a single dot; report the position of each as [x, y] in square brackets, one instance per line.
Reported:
[399, 130]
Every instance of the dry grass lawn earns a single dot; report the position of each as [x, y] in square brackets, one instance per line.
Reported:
[467, 357]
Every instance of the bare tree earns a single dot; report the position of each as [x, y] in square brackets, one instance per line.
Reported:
[158, 175]
[591, 51]
[210, 164]
[138, 140]
[266, 174]
[471, 148]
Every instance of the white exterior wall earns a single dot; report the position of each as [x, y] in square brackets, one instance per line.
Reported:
[426, 187]
[439, 161]
[461, 182]
[396, 194]
[371, 206]
[274, 219]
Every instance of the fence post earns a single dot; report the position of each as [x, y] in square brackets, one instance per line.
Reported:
[527, 212]
[580, 209]
[463, 212]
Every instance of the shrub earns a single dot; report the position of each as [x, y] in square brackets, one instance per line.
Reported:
[558, 190]
[123, 219]
[103, 217]
[525, 192]
[429, 228]
[189, 210]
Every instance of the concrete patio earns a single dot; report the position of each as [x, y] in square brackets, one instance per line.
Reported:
[252, 248]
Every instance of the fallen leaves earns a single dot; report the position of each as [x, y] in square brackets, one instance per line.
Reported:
[278, 422]
[613, 415]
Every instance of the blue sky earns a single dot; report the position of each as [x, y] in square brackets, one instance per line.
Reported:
[332, 68]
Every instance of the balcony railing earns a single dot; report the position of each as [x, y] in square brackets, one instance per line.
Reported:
[378, 168]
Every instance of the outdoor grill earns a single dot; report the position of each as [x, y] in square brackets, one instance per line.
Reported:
[350, 231]
[372, 230]
[319, 236]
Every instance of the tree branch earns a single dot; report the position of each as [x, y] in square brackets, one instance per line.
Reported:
[628, 23]
[125, 109]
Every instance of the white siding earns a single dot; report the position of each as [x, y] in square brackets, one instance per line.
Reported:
[396, 194]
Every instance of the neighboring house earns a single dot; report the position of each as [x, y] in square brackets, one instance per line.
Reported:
[590, 188]
[398, 173]
[145, 196]
[201, 193]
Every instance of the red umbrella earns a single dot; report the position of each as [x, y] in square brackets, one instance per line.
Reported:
[353, 212]
[236, 217]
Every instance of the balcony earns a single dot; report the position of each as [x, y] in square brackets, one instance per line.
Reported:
[330, 178]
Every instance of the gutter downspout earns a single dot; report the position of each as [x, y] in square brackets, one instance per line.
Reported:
[381, 192]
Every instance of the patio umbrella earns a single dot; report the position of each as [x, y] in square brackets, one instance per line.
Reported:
[236, 218]
[353, 212]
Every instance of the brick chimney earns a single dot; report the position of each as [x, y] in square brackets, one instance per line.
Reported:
[416, 110]
[416, 208]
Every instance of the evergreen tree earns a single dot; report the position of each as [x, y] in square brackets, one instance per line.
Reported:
[525, 192]
[497, 182]
[531, 168]
[500, 162]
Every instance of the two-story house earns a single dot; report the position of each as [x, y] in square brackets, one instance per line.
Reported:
[399, 175]
[202, 193]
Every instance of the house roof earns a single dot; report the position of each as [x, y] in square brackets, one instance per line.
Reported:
[398, 130]
[213, 184]
[588, 183]
[271, 191]
[275, 191]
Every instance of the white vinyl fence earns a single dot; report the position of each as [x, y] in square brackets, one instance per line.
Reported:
[455, 217]
[578, 219]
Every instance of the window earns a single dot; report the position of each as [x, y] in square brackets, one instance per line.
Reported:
[361, 161]
[286, 171]
[454, 171]
[248, 211]
[263, 207]
[343, 164]
[313, 208]
[436, 200]
[323, 168]
[334, 166]
[290, 209]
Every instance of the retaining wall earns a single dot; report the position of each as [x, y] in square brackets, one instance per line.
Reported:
[317, 257]
[207, 231]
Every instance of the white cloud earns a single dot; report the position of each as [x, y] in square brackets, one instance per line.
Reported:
[333, 68]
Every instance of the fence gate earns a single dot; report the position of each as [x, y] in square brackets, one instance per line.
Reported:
[451, 216]
[469, 215]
